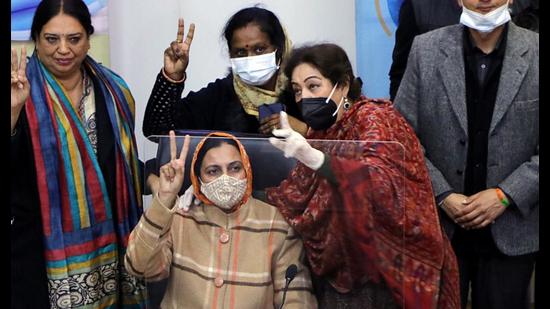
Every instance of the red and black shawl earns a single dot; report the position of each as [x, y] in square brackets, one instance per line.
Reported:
[379, 221]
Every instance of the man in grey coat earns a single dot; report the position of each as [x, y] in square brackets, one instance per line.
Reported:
[471, 92]
[420, 16]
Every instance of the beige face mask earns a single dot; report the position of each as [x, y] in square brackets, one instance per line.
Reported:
[224, 191]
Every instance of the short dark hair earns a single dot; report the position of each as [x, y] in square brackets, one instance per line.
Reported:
[211, 142]
[265, 19]
[331, 60]
[47, 9]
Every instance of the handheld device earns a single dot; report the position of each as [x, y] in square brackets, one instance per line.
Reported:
[266, 110]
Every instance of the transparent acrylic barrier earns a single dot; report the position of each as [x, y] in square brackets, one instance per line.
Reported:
[368, 209]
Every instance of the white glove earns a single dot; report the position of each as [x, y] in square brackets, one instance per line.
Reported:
[295, 145]
[186, 199]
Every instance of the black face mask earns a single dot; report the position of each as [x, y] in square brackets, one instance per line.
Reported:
[317, 114]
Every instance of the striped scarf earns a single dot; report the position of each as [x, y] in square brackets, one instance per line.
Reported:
[83, 243]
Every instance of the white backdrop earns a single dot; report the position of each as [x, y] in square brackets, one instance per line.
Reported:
[140, 30]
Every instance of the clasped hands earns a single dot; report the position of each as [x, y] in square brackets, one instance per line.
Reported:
[473, 212]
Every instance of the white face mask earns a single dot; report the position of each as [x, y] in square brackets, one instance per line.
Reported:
[224, 191]
[485, 23]
[255, 70]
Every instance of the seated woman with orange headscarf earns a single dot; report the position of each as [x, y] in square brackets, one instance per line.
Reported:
[224, 250]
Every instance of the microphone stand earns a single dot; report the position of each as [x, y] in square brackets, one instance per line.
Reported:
[284, 292]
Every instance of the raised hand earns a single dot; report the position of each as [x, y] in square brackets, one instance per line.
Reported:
[176, 57]
[268, 124]
[20, 87]
[171, 174]
[295, 145]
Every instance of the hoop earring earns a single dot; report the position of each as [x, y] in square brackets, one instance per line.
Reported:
[347, 104]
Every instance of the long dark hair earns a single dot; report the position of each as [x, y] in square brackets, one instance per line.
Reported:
[265, 19]
[47, 9]
[331, 60]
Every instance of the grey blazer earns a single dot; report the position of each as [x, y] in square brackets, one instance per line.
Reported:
[432, 97]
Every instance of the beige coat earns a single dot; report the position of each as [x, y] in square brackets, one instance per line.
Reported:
[218, 260]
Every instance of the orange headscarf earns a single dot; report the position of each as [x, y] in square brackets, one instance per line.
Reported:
[246, 163]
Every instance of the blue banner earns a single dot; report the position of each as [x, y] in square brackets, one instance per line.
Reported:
[375, 25]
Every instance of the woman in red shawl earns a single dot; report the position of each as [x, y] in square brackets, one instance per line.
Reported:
[364, 209]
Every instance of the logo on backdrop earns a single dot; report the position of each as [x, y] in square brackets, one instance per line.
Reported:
[376, 22]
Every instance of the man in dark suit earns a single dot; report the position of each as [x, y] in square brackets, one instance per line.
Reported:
[420, 16]
[417, 17]
[471, 92]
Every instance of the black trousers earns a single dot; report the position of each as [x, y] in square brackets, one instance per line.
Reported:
[497, 281]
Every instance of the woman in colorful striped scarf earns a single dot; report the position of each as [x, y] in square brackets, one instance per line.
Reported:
[75, 174]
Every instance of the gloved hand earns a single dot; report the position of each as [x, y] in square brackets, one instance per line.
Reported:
[187, 199]
[295, 145]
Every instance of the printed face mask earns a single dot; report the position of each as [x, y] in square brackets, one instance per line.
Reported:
[224, 191]
[485, 23]
[320, 113]
[255, 70]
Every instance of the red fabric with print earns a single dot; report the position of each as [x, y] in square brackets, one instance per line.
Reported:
[379, 222]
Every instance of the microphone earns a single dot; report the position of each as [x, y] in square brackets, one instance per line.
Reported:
[291, 272]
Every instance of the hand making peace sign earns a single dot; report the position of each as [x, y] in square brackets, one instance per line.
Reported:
[20, 87]
[176, 57]
[171, 173]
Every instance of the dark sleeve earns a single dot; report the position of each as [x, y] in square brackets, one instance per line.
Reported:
[150, 167]
[439, 199]
[15, 135]
[510, 200]
[166, 110]
[527, 18]
[159, 115]
[404, 35]
[326, 171]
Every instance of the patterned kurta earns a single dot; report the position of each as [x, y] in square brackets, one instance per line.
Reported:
[219, 260]
[375, 218]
